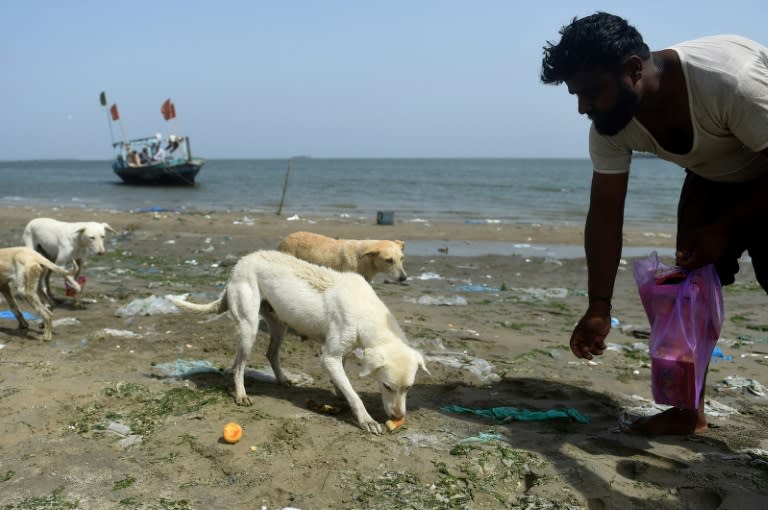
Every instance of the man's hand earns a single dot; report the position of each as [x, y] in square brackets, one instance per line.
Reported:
[588, 337]
[704, 246]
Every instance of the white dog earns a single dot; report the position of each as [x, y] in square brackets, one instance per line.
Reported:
[20, 271]
[64, 242]
[366, 257]
[339, 308]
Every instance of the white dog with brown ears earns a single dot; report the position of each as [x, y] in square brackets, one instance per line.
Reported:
[340, 309]
[366, 257]
[20, 271]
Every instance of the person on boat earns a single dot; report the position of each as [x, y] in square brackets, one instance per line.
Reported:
[173, 144]
[702, 104]
[156, 149]
[144, 158]
[159, 154]
[133, 158]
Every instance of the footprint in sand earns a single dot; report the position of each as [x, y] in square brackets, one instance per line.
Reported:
[638, 465]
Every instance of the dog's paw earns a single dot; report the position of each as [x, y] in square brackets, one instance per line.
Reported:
[244, 401]
[284, 380]
[372, 426]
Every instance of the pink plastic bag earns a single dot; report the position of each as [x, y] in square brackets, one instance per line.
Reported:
[685, 310]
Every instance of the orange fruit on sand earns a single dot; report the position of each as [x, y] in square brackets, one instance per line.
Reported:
[232, 432]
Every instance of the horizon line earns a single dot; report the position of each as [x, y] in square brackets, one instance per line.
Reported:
[303, 157]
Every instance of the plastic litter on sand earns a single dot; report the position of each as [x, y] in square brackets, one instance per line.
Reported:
[438, 300]
[152, 305]
[7, 314]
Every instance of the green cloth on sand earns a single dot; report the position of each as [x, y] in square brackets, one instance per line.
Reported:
[507, 414]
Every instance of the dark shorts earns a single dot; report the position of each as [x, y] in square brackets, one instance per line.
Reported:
[703, 202]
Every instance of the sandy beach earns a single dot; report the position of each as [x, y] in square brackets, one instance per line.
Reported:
[125, 407]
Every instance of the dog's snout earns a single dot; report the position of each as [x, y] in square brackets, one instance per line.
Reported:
[397, 410]
[402, 277]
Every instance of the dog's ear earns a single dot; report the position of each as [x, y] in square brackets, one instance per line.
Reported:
[400, 243]
[80, 231]
[373, 359]
[373, 252]
[108, 228]
[422, 364]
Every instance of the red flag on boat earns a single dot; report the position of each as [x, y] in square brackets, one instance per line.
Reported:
[173, 110]
[167, 109]
[113, 111]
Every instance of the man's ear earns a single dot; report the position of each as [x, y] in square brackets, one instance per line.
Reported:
[373, 359]
[633, 68]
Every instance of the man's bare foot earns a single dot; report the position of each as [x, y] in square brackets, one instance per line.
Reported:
[672, 421]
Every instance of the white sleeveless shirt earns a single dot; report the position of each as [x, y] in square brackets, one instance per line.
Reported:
[727, 80]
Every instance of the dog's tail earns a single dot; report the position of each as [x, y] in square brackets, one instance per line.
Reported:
[67, 274]
[218, 306]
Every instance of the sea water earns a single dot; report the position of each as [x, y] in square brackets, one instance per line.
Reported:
[469, 190]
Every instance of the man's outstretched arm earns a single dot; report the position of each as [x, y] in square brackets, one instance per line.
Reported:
[602, 243]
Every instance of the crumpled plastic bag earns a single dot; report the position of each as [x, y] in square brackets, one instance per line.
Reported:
[153, 305]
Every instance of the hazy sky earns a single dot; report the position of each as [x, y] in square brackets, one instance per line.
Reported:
[324, 78]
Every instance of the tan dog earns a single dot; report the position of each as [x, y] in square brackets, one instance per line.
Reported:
[340, 309]
[20, 271]
[365, 257]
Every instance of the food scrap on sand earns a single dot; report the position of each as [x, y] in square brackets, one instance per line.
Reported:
[322, 408]
[232, 432]
[394, 424]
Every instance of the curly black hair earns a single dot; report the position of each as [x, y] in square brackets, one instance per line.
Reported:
[601, 41]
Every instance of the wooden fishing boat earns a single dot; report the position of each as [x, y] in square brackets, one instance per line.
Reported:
[152, 160]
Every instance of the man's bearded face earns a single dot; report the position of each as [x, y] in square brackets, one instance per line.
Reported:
[611, 122]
